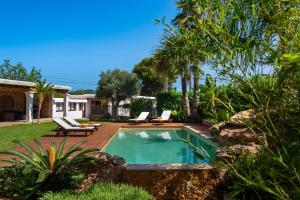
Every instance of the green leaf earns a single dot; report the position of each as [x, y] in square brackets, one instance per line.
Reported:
[42, 176]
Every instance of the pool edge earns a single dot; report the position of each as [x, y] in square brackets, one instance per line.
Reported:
[168, 166]
[177, 166]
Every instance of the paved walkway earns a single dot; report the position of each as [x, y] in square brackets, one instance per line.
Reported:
[98, 139]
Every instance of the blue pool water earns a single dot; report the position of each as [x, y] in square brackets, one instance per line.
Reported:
[161, 147]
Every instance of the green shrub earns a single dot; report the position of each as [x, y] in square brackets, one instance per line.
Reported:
[140, 105]
[36, 171]
[16, 181]
[171, 101]
[274, 173]
[219, 103]
[103, 191]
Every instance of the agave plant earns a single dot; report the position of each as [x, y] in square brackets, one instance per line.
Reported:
[49, 165]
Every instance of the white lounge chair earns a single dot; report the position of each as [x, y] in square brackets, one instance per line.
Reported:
[142, 118]
[76, 124]
[165, 117]
[64, 128]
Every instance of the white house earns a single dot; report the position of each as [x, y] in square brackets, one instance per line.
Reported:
[18, 102]
[78, 106]
[83, 106]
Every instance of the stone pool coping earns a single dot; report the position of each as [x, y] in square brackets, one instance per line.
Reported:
[168, 166]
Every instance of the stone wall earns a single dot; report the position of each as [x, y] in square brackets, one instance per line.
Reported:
[181, 184]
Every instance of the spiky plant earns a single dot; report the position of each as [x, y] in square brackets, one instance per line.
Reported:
[48, 165]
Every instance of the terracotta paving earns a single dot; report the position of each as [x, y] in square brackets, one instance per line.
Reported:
[98, 139]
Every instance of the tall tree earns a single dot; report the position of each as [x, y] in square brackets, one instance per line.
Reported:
[188, 19]
[175, 46]
[117, 85]
[163, 68]
[145, 72]
[34, 75]
[19, 72]
[42, 90]
[189, 15]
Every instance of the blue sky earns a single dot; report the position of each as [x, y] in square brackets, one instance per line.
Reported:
[73, 41]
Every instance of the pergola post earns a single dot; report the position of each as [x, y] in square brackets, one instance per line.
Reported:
[29, 106]
[66, 104]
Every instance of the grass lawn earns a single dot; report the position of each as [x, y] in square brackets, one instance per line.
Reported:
[26, 132]
[23, 133]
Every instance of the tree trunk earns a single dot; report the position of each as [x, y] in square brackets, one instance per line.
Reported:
[166, 84]
[196, 93]
[39, 112]
[185, 98]
[191, 81]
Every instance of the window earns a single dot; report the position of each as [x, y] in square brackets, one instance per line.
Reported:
[59, 107]
[72, 106]
[81, 106]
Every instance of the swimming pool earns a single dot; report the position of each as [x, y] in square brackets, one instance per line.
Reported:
[161, 146]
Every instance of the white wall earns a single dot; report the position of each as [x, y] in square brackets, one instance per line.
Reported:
[54, 112]
[122, 112]
[88, 108]
[75, 114]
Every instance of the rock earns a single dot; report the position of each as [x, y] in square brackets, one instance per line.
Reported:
[108, 168]
[238, 120]
[231, 153]
[233, 136]
[215, 129]
[241, 118]
[118, 161]
[104, 156]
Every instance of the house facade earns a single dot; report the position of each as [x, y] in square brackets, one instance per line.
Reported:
[87, 105]
[18, 102]
[78, 106]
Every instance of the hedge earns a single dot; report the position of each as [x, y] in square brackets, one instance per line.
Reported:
[171, 101]
[140, 105]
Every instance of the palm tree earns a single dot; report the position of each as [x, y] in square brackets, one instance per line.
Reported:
[175, 47]
[189, 19]
[42, 90]
[163, 68]
[190, 14]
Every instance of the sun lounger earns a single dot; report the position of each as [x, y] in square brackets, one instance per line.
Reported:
[142, 118]
[64, 128]
[76, 124]
[165, 117]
